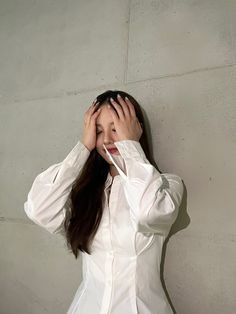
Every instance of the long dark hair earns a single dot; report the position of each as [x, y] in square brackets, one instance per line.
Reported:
[87, 194]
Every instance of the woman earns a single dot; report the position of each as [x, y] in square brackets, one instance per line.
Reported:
[112, 204]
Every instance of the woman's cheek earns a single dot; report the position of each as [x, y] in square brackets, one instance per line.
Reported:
[99, 141]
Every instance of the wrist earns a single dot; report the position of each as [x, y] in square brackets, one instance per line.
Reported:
[87, 146]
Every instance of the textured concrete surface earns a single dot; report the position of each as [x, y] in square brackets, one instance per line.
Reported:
[178, 58]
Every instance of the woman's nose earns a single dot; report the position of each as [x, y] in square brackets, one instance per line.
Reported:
[108, 138]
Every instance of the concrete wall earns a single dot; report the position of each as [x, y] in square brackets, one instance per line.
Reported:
[178, 59]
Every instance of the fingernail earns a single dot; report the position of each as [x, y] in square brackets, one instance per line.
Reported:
[119, 95]
[111, 99]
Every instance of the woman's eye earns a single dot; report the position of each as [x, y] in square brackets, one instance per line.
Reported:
[98, 132]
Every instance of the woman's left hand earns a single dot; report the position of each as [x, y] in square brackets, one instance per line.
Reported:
[125, 120]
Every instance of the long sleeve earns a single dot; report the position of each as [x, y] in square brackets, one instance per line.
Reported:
[47, 199]
[154, 198]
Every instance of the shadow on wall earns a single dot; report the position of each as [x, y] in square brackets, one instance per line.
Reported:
[182, 221]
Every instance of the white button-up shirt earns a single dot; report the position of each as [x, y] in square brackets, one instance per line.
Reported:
[122, 275]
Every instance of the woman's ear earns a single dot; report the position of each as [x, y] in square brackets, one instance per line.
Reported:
[141, 127]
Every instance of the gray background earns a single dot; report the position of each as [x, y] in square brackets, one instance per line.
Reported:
[178, 59]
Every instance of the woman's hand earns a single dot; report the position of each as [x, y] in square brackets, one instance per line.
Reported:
[89, 131]
[125, 120]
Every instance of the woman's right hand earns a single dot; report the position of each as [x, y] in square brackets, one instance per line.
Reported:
[89, 131]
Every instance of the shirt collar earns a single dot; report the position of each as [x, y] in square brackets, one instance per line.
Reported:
[110, 178]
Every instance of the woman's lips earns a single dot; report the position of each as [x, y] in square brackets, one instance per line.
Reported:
[113, 150]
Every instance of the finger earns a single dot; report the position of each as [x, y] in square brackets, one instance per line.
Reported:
[131, 107]
[124, 106]
[118, 108]
[95, 103]
[113, 113]
[92, 119]
[94, 107]
[91, 111]
[96, 114]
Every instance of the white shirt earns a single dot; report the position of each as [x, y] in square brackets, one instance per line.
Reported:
[122, 275]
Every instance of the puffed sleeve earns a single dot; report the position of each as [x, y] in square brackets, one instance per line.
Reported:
[47, 200]
[154, 198]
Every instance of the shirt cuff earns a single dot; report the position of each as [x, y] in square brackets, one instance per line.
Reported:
[78, 155]
[130, 149]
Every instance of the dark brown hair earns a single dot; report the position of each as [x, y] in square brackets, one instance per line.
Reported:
[87, 194]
